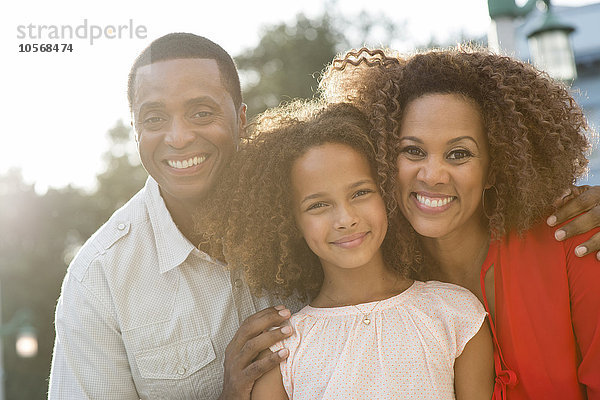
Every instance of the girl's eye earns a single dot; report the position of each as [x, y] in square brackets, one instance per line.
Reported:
[316, 206]
[459, 154]
[413, 151]
[362, 192]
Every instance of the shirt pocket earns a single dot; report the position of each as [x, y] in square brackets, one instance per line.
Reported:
[177, 370]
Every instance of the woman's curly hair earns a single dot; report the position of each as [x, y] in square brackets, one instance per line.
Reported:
[252, 217]
[536, 131]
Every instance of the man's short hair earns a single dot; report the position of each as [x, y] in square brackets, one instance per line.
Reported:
[187, 45]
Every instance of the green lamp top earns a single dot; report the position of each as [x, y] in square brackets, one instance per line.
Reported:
[509, 8]
[550, 23]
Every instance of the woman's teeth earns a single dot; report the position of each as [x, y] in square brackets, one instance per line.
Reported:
[434, 202]
[186, 163]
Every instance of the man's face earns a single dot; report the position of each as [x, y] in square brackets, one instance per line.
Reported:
[187, 126]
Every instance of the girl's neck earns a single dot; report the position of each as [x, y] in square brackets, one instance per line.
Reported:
[371, 282]
[459, 255]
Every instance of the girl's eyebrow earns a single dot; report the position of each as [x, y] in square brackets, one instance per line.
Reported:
[312, 196]
[360, 183]
[351, 186]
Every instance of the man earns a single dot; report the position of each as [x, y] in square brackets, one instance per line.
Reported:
[144, 313]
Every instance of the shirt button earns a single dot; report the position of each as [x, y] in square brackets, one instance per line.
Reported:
[181, 370]
[237, 283]
[121, 227]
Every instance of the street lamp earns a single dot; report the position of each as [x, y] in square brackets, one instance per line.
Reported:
[26, 343]
[505, 16]
[550, 47]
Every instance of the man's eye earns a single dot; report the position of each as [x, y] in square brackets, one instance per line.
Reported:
[202, 114]
[459, 154]
[153, 120]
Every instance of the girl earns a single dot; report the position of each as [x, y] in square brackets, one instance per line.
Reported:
[476, 147]
[304, 214]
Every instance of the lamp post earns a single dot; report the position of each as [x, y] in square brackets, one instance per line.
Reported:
[504, 15]
[549, 42]
[550, 46]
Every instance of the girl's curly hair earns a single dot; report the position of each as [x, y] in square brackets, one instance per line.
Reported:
[535, 129]
[252, 216]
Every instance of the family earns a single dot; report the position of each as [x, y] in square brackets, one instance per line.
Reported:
[386, 241]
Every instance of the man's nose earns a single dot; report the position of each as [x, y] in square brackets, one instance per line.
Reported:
[180, 134]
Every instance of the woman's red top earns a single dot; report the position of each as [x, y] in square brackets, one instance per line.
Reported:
[547, 324]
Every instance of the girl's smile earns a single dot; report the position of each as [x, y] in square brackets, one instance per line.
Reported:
[337, 206]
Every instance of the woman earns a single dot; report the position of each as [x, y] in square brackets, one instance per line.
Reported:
[474, 148]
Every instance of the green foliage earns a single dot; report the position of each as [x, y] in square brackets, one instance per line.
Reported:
[123, 175]
[287, 62]
[289, 59]
[39, 235]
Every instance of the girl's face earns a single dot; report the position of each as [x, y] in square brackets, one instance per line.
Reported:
[443, 165]
[337, 206]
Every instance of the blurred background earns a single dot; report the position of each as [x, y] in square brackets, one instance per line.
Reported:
[67, 156]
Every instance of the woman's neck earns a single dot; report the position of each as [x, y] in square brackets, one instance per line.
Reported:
[459, 255]
[371, 282]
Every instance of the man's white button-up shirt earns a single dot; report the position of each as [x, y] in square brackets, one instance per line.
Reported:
[143, 313]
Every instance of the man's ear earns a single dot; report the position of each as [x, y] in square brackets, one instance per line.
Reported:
[242, 116]
[241, 128]
[136, 134]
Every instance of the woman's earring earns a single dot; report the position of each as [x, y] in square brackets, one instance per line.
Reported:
[483, 200]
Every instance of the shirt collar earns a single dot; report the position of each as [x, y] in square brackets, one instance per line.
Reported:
[171, 246]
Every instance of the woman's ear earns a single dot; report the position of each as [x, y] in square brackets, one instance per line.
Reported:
[490, 180]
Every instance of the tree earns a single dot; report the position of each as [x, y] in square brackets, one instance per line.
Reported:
[39, 236]
[288, 61]
[285, 63]
[123, 176]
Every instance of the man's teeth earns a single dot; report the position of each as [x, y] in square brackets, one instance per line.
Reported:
[186, 163]
[434, 203]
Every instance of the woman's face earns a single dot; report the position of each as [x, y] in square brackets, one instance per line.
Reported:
[443, 165]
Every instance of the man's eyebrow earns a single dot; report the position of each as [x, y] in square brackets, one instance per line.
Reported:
[201, 100]
[151, 104]
[190, 102]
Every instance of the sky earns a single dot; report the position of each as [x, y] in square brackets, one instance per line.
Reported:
[59, 105]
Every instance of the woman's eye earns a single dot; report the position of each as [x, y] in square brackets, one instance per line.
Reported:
[459, 154]
[413, 151]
